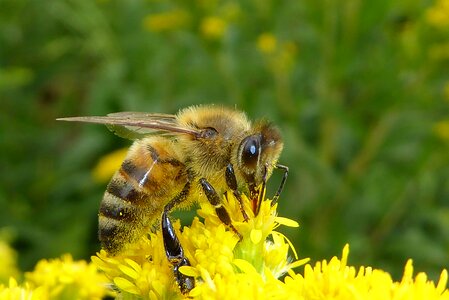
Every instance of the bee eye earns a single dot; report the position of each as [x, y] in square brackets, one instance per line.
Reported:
[250, 151]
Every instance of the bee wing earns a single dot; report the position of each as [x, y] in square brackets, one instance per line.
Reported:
[134, 125]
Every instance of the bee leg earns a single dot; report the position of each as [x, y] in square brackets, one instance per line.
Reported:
[175, 254]
[173, 248]
[232, 184]
[214, 199]
[281, 186]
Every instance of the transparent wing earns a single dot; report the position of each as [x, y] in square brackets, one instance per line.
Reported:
[135, 125]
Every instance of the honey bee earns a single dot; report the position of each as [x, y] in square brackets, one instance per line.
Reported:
[201, 152]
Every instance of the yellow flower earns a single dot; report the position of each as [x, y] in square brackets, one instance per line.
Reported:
[336, 280]
[8, 262]
[166, 21]
[279, 55]
[438, 14]
[223, 266]
[14, 291]
[67, 279]
[213, 27]
[441, 129]
[108, 164]
[142, 270]
[267, 43]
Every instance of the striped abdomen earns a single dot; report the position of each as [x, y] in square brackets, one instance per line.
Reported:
[148, 179]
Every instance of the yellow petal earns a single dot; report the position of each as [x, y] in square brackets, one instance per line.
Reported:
[189, 271]
[244, 266]
[286, 222]
[133, 265]
[298, 263]
[441, 286]
[129, 271]
[126, 285]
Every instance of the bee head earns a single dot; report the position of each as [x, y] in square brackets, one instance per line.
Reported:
[258, 153]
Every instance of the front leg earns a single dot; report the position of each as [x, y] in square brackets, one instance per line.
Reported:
[214, 199]
[281, 186]
[231, 181]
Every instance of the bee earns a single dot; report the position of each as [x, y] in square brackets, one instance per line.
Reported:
[201, 152]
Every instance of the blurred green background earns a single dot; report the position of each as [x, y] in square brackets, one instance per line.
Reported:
[360, 90]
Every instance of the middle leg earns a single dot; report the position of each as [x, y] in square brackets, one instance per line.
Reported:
[214, 199]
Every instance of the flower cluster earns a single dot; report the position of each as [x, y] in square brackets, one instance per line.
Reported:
[336, 280]
[223, 266]
[260, 266]
[61, 278]
[438, 14]
[8, 261]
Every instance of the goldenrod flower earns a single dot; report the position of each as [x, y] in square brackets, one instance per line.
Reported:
[8, 262]
[441, 129]
[267, 43]
[166, 21]
[279, 55]
[223, 266]
[143, 270]
[58, 279]
[336, 280]
[108, 164]
[252, 268]
[213, 27]
[67, 279]
[438, 14]
[14, 291]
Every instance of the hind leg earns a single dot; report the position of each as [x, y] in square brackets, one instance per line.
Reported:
[173, 248]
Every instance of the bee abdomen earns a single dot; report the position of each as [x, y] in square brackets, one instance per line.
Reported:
[121, 210]
[121, 188]
[110, 233]
[116, 208]
[147, 180]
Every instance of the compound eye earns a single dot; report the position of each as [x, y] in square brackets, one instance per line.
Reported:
[250, 151]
